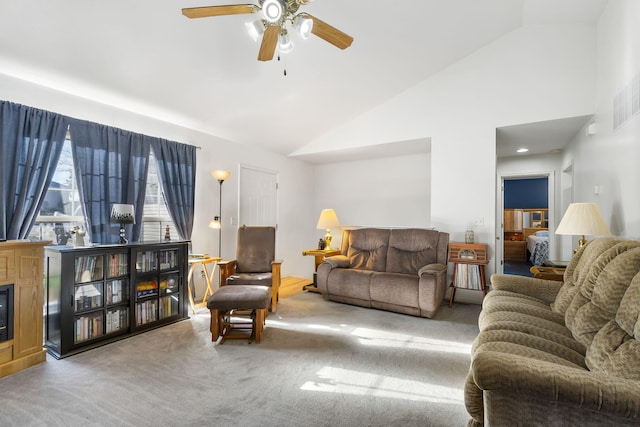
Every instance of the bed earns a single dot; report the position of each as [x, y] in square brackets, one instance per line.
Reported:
[537, 245]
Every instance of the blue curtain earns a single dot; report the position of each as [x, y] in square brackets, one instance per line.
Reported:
[111, 167]
[31, 141]
[176, 165]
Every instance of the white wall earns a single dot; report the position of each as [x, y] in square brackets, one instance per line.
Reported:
[609, 159]
[533, 74]
[385, 192]
[297, 215]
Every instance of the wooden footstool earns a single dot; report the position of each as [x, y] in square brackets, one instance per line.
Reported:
[233, 299]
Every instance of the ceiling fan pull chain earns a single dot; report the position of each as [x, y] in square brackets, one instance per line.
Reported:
[285, 65]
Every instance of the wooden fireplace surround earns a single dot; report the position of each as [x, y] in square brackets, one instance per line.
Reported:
[21, 264]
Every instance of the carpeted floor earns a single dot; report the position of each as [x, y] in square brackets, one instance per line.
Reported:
[319, 364]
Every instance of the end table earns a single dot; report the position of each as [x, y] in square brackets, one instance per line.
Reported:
[319, 255]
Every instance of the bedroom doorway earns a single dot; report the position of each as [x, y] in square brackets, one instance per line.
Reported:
[526, 212]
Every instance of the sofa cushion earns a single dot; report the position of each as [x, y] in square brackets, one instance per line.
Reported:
[565, 339]
[350, 283]
[368, 249]
[578, 269]
[551, 324]
[548, 345]
[411, 249]
[393, 288]
[615, 349]
[598, 299]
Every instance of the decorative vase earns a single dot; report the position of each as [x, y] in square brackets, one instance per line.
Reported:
[468, 236]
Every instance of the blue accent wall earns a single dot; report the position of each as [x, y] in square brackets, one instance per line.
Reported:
[532, 193]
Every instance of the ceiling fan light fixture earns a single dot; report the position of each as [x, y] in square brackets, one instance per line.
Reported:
[272, 10]
[284, 42]
[303, 26]
[255, 29]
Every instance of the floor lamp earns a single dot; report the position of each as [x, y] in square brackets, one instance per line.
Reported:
[221, 176]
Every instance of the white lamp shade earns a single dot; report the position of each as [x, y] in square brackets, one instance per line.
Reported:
[220, 175]
[328, 219]
[123, 214]
[255, 29]
[285, 45]
[215, 223]
[303, 25]
[583, 219]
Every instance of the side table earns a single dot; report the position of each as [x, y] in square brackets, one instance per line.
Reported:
[548, 273]
[204, 261]
[469, 260]
[319, 255]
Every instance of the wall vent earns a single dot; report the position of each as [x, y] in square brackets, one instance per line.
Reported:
[627, 102]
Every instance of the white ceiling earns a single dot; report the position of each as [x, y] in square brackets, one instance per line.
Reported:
[539, 138]
[145, 56]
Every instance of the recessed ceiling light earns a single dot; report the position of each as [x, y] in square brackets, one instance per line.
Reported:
[523, 150]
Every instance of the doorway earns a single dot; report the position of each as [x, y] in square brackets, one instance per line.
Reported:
[527, 213]
[258, 196]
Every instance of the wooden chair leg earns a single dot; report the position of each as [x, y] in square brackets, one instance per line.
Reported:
[259, 323]
[215, 325]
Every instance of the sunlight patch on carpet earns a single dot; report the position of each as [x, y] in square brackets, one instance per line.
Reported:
[345, 381]
[372, 337]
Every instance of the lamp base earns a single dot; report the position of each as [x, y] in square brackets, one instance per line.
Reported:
[327, 239]
[123, 240]
[581, 242]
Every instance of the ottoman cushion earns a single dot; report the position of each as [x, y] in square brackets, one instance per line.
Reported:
[240, 297]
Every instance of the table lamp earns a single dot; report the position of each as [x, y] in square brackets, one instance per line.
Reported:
[582, 219]
[122, 214]
[328, 220]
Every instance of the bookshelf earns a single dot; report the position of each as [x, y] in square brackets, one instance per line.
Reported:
[469, 261]
[99, 294]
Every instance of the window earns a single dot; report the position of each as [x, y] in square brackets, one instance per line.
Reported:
[61, 209]
[156, 216]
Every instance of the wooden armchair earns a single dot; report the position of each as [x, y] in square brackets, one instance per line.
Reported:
[255, 262]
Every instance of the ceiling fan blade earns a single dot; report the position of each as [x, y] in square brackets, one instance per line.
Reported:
[232, 9]
[329, 33]
[269, 43]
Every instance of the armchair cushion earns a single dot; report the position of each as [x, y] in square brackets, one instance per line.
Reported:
[255, 262]
[256, 249]
[263, 279]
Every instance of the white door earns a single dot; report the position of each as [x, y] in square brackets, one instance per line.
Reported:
[258, 196]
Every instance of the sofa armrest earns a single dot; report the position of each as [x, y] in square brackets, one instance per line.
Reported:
[324, 269]
[431, 288]
[337, 261]
[432, 269]
[534, 380]
[546, 290]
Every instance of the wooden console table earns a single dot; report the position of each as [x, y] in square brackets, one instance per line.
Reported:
[319, 255]
[470, 259]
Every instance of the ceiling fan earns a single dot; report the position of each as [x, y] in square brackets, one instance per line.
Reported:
[272, 26]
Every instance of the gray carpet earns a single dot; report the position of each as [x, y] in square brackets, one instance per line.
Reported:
[319, 364]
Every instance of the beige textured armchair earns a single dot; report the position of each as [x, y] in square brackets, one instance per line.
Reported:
[255, 262]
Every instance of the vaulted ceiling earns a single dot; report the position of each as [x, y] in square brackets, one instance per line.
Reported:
[145, 56]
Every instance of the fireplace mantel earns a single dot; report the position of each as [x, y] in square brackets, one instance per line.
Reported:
[21, 264]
